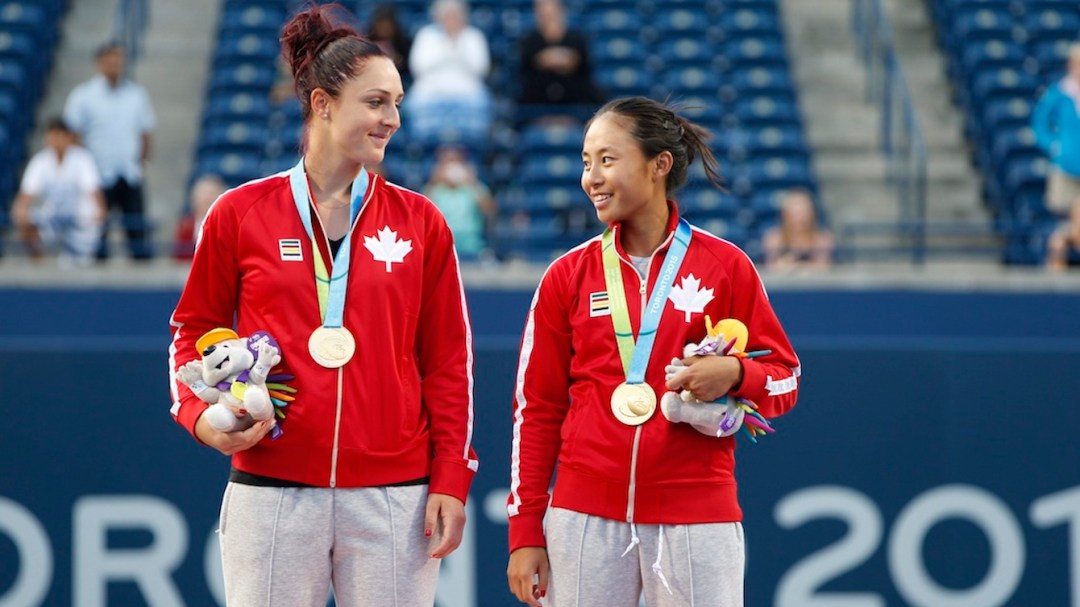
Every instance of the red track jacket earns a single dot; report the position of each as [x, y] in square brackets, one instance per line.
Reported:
[402, 408]
[569, 365]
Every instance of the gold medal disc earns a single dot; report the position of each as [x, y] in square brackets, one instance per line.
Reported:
[633, 404]
[331, 347]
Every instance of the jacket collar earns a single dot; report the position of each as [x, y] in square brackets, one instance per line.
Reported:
[669, 231]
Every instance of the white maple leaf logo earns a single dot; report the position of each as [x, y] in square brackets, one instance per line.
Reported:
[689, 297]
[388, 248]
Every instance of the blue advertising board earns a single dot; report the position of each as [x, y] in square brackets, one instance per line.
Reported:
[930, 460]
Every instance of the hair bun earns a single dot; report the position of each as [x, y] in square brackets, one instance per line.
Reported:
[309, 32]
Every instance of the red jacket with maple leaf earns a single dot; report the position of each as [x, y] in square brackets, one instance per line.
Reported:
[402, 408]
[569, 366]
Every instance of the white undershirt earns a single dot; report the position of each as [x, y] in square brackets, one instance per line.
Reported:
[641, 264]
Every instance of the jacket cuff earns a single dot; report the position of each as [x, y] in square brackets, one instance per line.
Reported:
[188, 414]
[527, 529]
[450, 478]
[753, 380]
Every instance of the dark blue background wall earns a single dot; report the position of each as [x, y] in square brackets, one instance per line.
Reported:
[930, 461]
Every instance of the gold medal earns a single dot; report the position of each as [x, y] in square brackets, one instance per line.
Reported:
[633, 404]
[331, 347]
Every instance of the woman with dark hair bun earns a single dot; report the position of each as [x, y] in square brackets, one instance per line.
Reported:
[644, 499]
[359, 479]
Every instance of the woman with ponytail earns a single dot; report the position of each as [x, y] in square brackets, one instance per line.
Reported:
[359, 480]
[643, 502]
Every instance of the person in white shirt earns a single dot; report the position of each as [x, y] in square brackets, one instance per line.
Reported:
[60, 202]
[116, 120]
[449, 61]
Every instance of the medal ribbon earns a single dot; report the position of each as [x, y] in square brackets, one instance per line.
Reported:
[329, 288]
[635, 357]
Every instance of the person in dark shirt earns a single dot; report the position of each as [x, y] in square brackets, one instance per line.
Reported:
[555, 68]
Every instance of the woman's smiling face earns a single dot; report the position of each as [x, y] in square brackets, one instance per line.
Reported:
[615, 174]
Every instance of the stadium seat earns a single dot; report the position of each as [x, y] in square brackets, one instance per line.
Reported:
[753, 110]
[625, 80]
[249, 107]
[240, 137]
[619, 48]
[1051, 24]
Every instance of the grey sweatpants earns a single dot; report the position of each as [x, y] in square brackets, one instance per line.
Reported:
[286, 546]
[701, 563]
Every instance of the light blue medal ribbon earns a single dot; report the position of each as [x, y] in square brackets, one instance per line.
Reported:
[650, 320]
[331, 345]
[634, 401]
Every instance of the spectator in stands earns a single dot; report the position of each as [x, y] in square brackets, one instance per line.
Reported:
[463, 199]
[378, 437]
[206, 189]
[386, 31]
[797, 241]
[555, 69]
[1056, 122]
[59, 201]
[449, 61]
[1063, 248]
[586, 390]
[115, 119]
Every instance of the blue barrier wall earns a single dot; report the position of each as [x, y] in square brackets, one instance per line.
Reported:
[930, 460]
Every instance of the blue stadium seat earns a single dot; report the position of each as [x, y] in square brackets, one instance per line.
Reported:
[240, 137]
[243, 77]
[756, 51]
[551, 138]
[753, 110]
[686, 50]
[246, 47]
[983, 24]
[551, 169]
[772, 174]
[692, 80]
[618, 48]
[24, 17]
[749, 22]
[979, 55]
[1051, 56]
[234, 168]
[1002, 83]
[624, 80]
[246, 106]
[758, 81]
[1025, 177]
[613, 21]
[684, 21]
[253, 17]
[1051, 24]
[1009, 145]
[703, 109]
[777, 142]
[538, 200]
[707, 201]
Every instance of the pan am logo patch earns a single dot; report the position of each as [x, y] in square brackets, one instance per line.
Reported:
[599, 304]
[290, 249]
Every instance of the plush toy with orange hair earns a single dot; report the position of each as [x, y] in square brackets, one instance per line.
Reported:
[725, 416]
[236, 376]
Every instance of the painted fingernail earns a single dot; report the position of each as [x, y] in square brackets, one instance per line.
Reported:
[427, 532]
[243, 411]
[543, 593]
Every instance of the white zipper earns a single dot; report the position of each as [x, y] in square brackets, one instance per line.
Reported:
[337, 429]
[643, 291]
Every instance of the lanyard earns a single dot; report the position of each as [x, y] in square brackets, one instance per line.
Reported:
[635, 357]
[330, 288]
